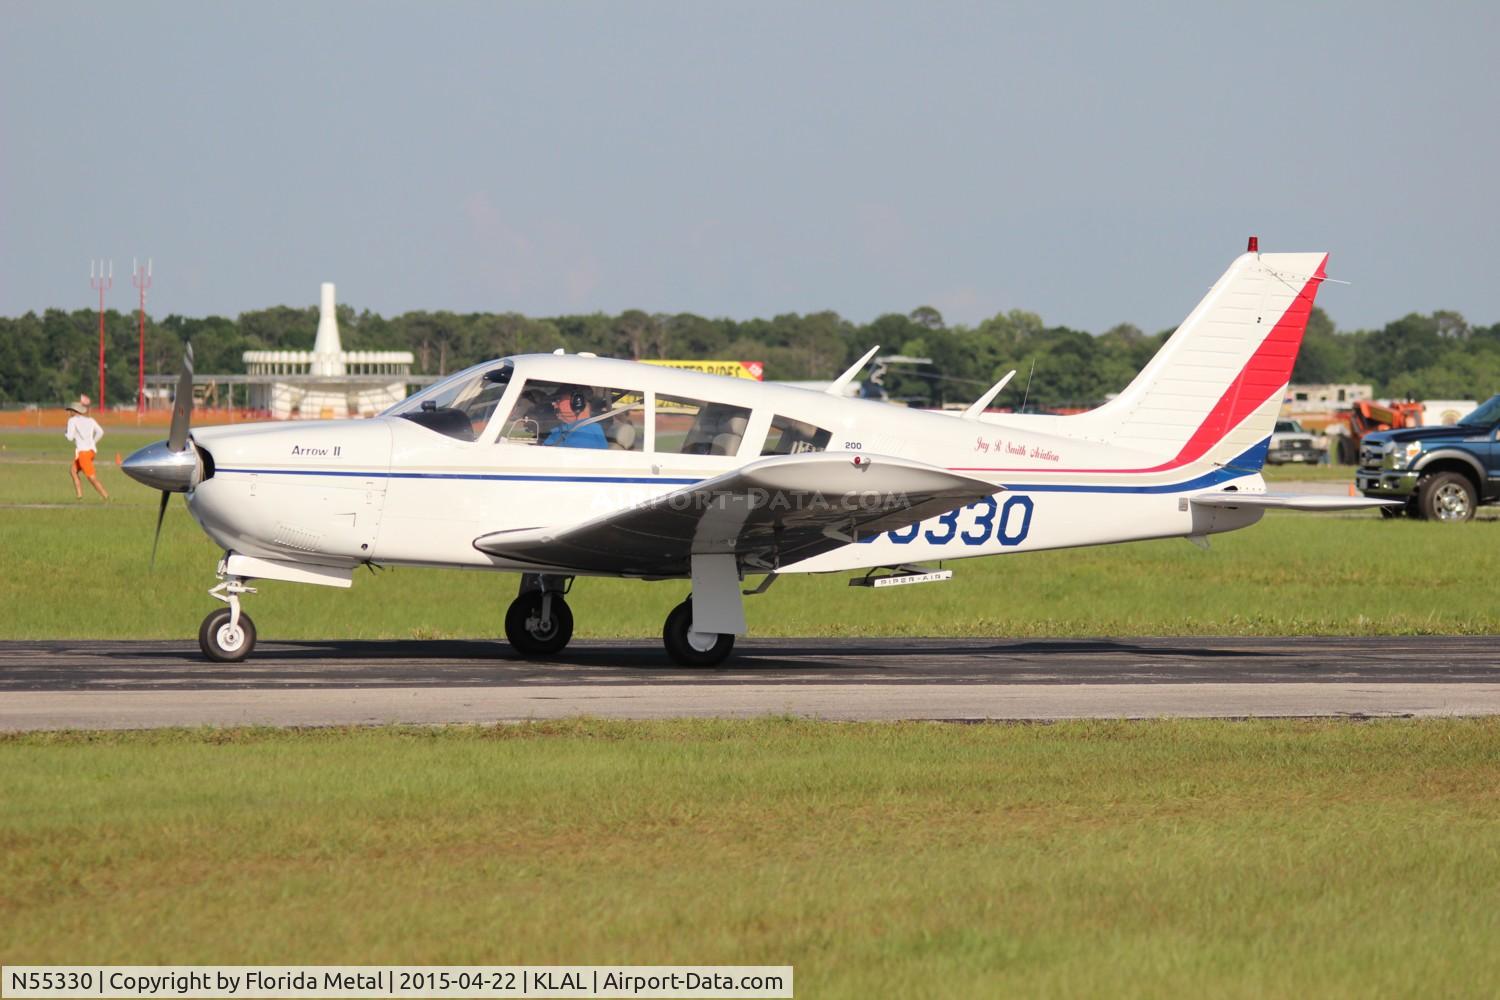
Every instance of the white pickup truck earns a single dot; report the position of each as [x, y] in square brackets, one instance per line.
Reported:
[1291, 443]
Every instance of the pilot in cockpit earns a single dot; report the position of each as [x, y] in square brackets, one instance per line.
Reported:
[573, 407]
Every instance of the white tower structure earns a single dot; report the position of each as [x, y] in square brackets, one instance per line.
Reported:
[328, 382]
[328, 353]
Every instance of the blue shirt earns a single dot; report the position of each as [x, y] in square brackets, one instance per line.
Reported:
[572, 436]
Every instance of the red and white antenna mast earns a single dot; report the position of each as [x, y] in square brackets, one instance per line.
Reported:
[142, 280]
[101, 282]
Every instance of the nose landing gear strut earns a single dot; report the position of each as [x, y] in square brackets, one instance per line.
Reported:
[227, 635]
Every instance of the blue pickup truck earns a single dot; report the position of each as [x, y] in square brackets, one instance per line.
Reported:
[1443, 473]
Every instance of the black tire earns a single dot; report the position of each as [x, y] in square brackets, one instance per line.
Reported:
[536, 641]
[1447, 497]
[682, 648]
[218, 644]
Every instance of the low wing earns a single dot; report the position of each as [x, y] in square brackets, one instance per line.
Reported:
[1287, 501]
[769, 513]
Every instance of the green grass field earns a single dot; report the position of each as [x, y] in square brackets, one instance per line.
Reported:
[1326, 473]
[1129, 859]
[1135, 859]
[79, 569]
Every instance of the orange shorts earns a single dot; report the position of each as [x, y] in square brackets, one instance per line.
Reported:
[84, 462]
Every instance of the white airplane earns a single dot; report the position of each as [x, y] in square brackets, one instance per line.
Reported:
[558, 466]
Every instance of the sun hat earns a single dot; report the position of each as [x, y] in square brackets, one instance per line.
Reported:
[81, 407]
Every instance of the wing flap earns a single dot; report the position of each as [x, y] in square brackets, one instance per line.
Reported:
[769, 513]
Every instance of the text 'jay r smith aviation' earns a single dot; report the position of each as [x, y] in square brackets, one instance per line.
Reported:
[556, 466]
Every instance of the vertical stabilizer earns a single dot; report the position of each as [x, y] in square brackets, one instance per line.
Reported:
[1216, 386]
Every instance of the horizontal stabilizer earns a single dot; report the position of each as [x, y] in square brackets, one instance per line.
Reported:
[1288, 501]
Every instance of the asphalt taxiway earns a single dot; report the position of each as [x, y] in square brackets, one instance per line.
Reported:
[135, 685]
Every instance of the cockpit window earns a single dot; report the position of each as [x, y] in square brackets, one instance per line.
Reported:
[459, 406]
[698, 427]
[792, 437]
[568, 415]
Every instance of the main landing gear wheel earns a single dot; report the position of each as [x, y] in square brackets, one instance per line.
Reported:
[224, 644]
[532, 634]
[694, 649]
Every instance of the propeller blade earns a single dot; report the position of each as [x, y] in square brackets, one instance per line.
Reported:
[182, 406]
[161, 512]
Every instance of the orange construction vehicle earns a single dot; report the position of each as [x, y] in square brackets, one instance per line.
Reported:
[1366, 416]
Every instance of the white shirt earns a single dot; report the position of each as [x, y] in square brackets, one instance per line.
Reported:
[84, 432]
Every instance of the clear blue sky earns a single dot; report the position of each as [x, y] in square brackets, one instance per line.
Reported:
[1093, 162]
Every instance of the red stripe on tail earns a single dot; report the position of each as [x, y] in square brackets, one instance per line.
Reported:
[1268, 369]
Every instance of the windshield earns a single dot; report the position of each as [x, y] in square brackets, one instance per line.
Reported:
[1488, 413]
[442, 392]
[460, 406]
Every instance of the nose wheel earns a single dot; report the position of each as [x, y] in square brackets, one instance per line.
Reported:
[225, 640]
[227, 635]
[688, 648]
[539, 623]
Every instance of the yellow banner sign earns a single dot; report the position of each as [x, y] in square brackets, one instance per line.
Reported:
[755, 370]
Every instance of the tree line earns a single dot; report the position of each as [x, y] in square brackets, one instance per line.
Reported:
[53, 356]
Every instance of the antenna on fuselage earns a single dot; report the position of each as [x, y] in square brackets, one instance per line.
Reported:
[837, 387]
[1028, 385]
[977, 407]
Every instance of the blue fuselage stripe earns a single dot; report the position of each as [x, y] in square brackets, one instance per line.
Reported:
[486, 476]
[1248, 463]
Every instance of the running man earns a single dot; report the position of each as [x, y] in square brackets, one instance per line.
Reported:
[84, 431]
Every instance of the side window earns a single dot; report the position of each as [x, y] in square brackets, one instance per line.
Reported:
[698, 427]
[566, 415]
[790, 437]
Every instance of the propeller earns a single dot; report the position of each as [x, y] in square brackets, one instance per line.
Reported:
[182, 406]
[171, 466]
[177, 436]
[161, 512]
